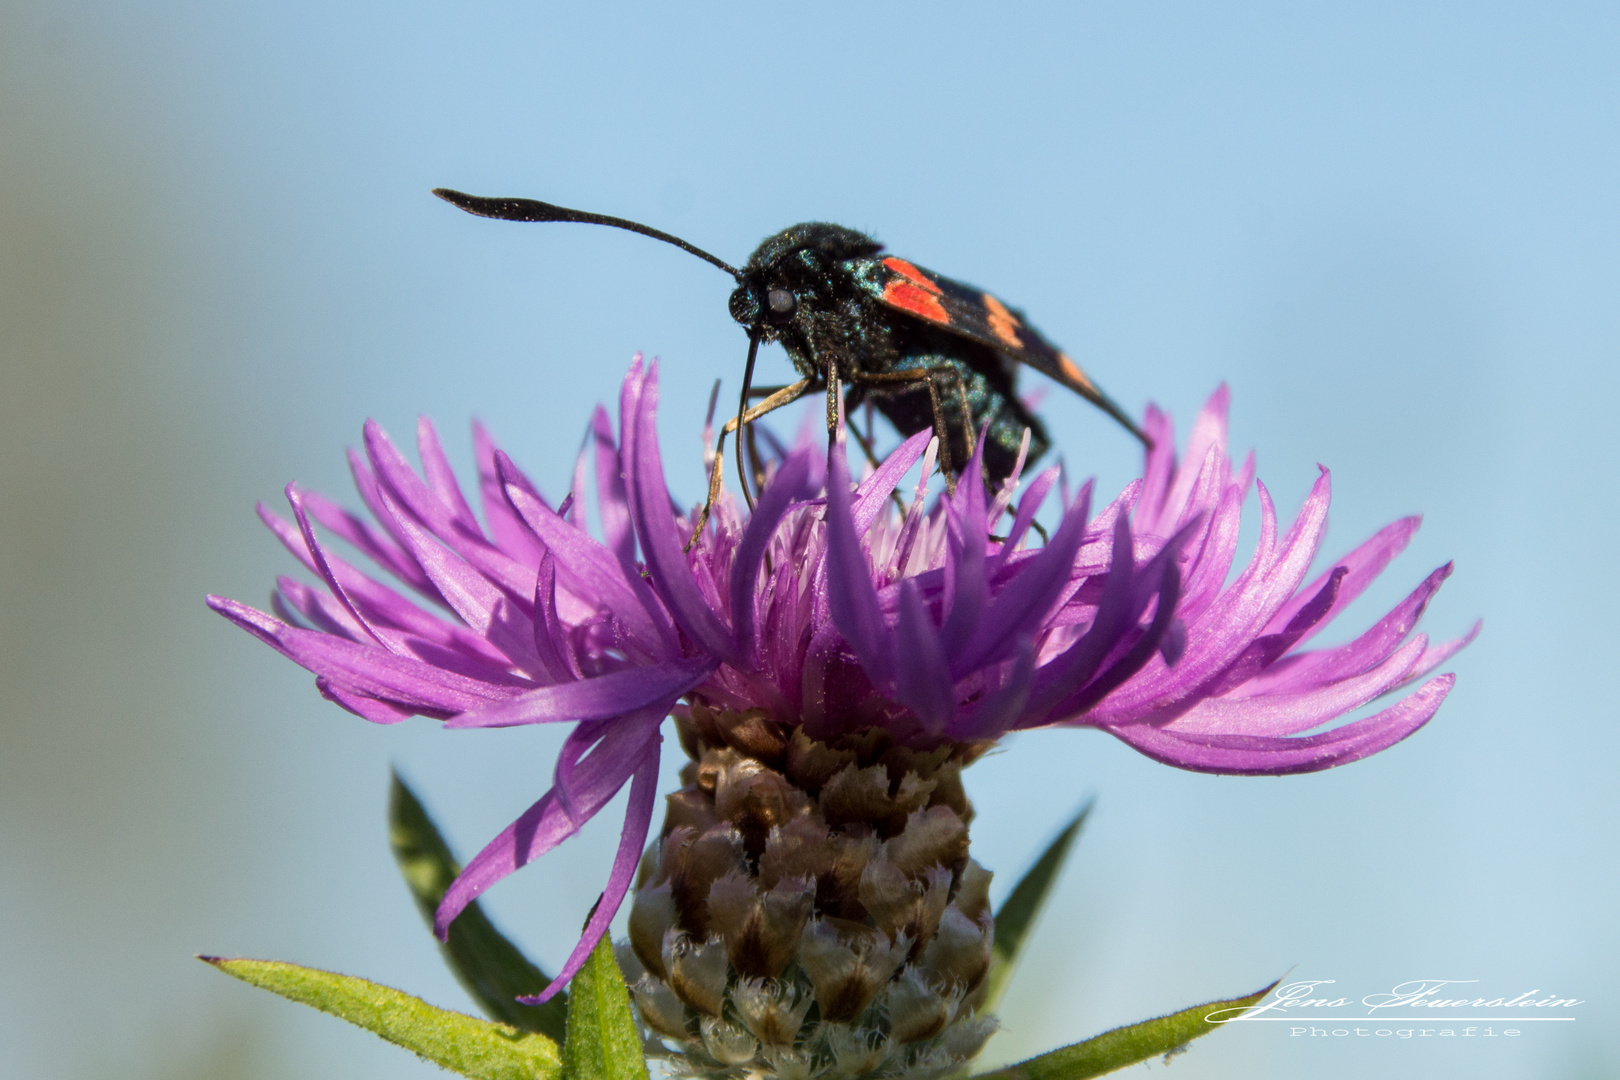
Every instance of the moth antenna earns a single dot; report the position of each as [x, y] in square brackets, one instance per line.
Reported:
[534, 210]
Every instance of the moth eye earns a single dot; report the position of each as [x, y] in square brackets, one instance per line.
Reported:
[781, 302]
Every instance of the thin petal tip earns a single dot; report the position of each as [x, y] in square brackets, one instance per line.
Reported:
[543, 996]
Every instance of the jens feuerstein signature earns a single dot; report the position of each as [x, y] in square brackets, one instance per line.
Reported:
[1299, 1000]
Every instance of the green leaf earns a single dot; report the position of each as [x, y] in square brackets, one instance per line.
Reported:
[491, 968]
[1017, 914]
[1124, 1045]
[602, 1043]
[463, 1044]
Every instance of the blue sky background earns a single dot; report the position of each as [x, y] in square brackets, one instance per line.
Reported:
[1391, 228]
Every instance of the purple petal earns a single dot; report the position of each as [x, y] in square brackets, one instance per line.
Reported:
[1205, 446]
[1212, 561]
[484, 607]
[450, 651]
[967, 591]
[396, 479]
[1252, 755]
[1288, 714]
[1435, 655]
[589, 569]
[1158, 468]
[998, 712]
[1004, 494]
[1113, 638]
[637, 822]
[368, 540]
[851, 595]
[1264, 651]
[1101, 530]
[382, 605]
[545, 824]
[1034, 496]
[654, 519]
[922, 677]
[1294, 556]
[551, 640]
[875, 489]
[1206, 493]
[367, 708]
[789, 485]
[1174, 642]
[1074, 667]
[511, 535]
[1364, 564]
[573, 507]
[1305, 670]
[368, 669]
[321, 567]
[1031, 598]
[441, 478]
[596, 698]
[365, 484]
[1245, 475]
[571, 782]
[1225, 629]
[611, 502]
[1142, 650]
[913, 521]
[307, 604]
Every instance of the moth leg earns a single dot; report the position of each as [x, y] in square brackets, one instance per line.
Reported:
[955, 375]
[835, 397]
[785, 395]
[758, 471]
[946, 371]
[926, 377]
[753, 448]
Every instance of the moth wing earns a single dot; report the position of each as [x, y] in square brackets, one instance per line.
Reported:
[978, 316]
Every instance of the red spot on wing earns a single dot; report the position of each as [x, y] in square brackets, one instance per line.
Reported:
[912, 274]
[1002, 322]
[1072, 370]
[909, 297]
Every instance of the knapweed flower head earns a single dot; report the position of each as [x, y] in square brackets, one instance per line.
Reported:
[831, 664]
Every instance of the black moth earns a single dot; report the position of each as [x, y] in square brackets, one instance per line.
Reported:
[926, 351]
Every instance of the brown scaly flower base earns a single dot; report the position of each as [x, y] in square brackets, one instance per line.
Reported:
[810, 909]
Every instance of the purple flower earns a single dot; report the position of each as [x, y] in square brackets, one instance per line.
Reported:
[835, 615]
